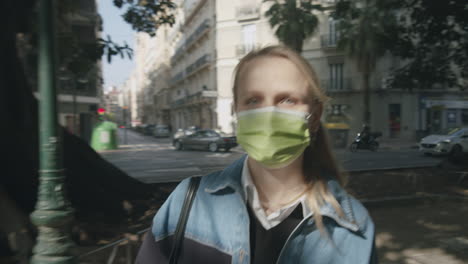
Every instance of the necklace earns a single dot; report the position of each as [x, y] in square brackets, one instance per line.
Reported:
[266, 205]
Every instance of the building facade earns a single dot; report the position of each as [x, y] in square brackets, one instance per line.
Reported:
[187, 76]
[79, 92]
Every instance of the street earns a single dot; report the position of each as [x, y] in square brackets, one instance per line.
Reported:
[154, 160]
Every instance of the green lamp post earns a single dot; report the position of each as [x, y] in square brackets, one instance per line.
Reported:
[53, 213]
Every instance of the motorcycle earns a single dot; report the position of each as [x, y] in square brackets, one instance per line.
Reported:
[370, 143]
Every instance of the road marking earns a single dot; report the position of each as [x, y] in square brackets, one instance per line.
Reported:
[218, 155]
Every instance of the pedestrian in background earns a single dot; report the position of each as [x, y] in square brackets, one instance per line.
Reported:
[283, 202]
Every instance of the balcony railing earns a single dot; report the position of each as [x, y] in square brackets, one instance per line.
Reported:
[180, 51]
[198, 64]
[178, 102]
[330, 40]
[243, 49]
[177, 78]
[337, 85]
[247, 12]
[198, 33]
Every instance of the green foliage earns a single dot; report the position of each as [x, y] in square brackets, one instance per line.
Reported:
[364, 33]
[429, 36]
[433, 36]
[147, 15]
[110, 48]
[294, 21]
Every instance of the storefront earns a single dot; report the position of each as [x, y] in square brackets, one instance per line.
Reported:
[441, 115]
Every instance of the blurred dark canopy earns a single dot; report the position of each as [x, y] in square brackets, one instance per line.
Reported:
[430, 35]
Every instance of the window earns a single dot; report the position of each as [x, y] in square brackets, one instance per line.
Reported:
[332, 32]
[464, 117]
[336, 77]
[249, 36]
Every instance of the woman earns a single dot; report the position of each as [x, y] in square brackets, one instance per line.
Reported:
[283, 203]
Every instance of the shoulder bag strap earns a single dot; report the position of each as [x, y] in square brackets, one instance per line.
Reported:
[180, 230]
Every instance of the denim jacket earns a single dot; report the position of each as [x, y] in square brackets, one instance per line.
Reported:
[218, 227]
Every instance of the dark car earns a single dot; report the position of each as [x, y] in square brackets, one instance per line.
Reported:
[205, 139]
[148, 130]
[183, 133]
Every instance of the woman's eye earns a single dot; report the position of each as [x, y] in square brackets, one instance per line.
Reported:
[252, 101]
[287, 100]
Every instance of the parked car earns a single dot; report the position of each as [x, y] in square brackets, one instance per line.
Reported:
[207, 140]
[148, 130]
[183, 132]
[455, 143]
[161, 131]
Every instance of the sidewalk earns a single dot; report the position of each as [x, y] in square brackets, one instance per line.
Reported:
[397, 144]
[425, 232]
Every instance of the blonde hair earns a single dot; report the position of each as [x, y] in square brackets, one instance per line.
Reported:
[318, 156]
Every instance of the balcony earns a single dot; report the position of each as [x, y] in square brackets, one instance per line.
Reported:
[243, 49]
[329, 41]
[201, 30]
[199, 64]
[177, 78]
[179, 53]
[247, 12]
[178, 102]
[337, 85]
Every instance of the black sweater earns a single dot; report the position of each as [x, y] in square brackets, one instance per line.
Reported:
[266, 245]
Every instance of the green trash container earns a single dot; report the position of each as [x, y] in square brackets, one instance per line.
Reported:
[104, 136]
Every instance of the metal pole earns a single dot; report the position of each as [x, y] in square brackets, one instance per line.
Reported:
[53, 213]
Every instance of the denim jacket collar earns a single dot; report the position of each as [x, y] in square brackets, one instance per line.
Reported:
[231, 177]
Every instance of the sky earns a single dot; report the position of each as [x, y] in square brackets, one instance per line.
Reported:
[118, 71]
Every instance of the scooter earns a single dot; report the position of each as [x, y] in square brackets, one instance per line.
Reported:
[360, 143]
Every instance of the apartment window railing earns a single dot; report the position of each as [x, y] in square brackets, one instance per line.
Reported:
[247, 12]
[177, 78]
[337, 85]
[198, 33]
[198, 64]
[329, 41]
[180, 51]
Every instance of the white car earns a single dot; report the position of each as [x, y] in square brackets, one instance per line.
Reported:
[455, 143]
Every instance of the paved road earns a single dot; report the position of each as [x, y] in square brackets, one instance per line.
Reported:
[153, 160]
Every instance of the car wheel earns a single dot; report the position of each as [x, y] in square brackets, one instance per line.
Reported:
[457, 152]
[213, 147]
[178, 145]
[353, 147]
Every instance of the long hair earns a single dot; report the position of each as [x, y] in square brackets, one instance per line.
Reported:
[318, 156]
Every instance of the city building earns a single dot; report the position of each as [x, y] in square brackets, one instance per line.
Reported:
[211, 37]
[185, 75]
[79, 91]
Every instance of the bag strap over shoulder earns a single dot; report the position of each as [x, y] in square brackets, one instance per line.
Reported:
[180, 230]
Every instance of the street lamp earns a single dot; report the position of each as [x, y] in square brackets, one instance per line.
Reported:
[53, 213]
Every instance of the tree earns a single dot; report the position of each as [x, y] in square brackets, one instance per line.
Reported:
[294, 21]
[432, 38]
[362, 28]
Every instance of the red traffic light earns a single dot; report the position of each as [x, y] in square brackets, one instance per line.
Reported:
[101, 111]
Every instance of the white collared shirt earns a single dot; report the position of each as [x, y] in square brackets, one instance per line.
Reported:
[276, 217]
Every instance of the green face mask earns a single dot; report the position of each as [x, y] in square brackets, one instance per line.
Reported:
[273, 136]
